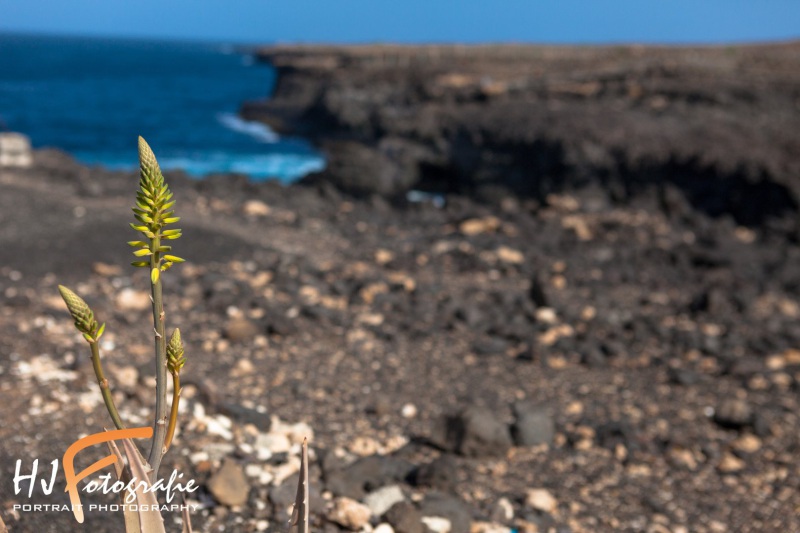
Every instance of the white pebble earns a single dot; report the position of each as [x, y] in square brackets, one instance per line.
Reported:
[437, 524]
[274, 442]
[541, 500]
[409, 410]
[383, 528]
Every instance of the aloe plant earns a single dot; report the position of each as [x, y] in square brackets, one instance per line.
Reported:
[153, 213]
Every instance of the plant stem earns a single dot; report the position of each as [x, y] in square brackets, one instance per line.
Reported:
[104, 389]
[173, 414]
[159, 425]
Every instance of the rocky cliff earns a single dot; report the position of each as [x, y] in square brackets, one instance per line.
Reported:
[718, 125]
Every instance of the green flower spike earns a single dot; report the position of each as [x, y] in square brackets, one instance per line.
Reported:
[82, 315]
[175, 358]
[175, 362]
[86, 324]
[153, 212]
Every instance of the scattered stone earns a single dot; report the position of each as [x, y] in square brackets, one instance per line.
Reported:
[349, 513]
[490, 346]
[286, 470]
[533, 425]
[366, 475]
[528, 354]
[245, 415]
[537, 293]
[283, 496]
[474, 432]
[437, 524]
[383, 527]
[614, 433]
[714, 301]
[449, 507]
[106, 269]
[488, 527]
[383, 499]
[730, 464]
[683, 376]
[243, 367]
[439, 474]
[256, 208]
[409, 410]
[363, 446]
[218, 451]
[524, 526]
[541, 500]
[476, 226]
[219, 425]
[132, 300]
[280, 324]
[124, 377]
[503, 511]
[259, 473]
[43, 369]
[229, 485]
[579, 225]
[546, 315]
[296, 433]
[240, 330]
[510, 255]
[683, 458]
[404, 518]
[381, 406]
[747, 444]
[383, 256]
[733, 413]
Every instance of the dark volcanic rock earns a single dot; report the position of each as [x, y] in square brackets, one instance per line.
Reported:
[474, 432]
[533, 120]
[450, 507]
[537, 293]
[490, 346]
[388, 170]
[246, 415]
[683, 376]
[366, 475]
[733, 413]
[404, 518]
[533, 425]
[610, 434]
[441, 474]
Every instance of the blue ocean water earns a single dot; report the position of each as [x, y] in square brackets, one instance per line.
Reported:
[93, 97]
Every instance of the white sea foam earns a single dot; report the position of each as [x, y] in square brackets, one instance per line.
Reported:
[286, 167]
[256, 130]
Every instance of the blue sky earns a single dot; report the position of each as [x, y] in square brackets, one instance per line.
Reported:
[542, 21]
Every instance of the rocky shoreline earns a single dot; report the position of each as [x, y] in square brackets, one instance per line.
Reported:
[716, 123]
[587, 356]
